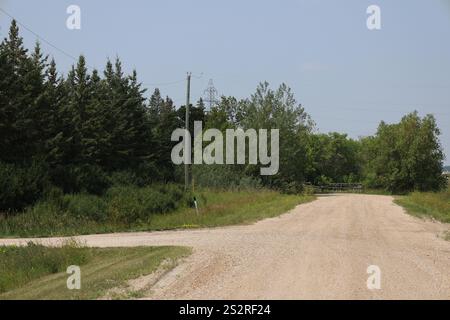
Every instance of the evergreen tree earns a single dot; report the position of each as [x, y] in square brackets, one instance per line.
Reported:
[36, 107]
[57, 133]
[142, 140]
[79, 95]
[14, 102]
[155, 107]
[164, 120]
[94, 133]
[126, 139]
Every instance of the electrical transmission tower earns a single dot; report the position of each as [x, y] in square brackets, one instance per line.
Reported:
[211, 95]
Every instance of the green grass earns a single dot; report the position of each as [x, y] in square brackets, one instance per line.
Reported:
[131, 212]
[427, 204]
[20, 265]
[228, 208]
[39, 273]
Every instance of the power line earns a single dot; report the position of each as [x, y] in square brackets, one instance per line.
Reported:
[70, 56]
[40, 37]
[164, 83]
[197, 77]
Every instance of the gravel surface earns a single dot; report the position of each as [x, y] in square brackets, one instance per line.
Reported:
[319, 250]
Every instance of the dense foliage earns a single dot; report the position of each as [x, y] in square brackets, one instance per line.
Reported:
[89, 131]
[405, 156]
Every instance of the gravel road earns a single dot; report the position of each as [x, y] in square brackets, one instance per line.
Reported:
[319, 250]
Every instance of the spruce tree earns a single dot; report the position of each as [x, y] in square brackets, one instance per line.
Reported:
[126, 120]
[36, 111]
[59, 120]
[13, 59]
[142, 140]
[79, 94]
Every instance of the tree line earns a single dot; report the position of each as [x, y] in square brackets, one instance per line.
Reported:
[88, 130]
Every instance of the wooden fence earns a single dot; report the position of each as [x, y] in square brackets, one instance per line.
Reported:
[338, 187]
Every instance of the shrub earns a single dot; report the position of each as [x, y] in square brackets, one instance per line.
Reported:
[143, 175]
[132, 204]
[21, 186]
[291, 187]
[42, 216]
[124, 204]
[224, 177]
[123, 178]
[47, 219]
[54, 196]
[308, 190]
[146, 174]
[247, 182]
[86, 206]
[176, 192]
[85, 178]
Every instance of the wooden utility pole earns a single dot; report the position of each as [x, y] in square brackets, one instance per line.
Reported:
[187, 140]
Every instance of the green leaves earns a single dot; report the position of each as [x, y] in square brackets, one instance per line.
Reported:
[406, 156]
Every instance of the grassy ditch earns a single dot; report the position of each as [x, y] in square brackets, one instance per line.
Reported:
[137, 209]
[35, 272]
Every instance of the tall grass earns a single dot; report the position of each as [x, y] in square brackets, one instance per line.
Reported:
[221, 208]
[428, 204]
[120, 209]
[37, 272]
[149, 208]
[20, 265]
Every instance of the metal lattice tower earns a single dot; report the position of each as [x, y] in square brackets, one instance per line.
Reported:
[211, 95]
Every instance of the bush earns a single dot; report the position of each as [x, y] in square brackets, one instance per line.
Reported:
[86, 206]
[47, 219]
[54, 196]
[21, 186]
[224, 177]
[42, 216]
[123, 178]
[247, 182]
[85, 178]
[131, 204]
[146, 174]
[121, 206]
[291, 188]
[143, 175]
[308, 190]
[176, 192]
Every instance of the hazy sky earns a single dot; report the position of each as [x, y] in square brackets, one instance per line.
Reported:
[347, 77]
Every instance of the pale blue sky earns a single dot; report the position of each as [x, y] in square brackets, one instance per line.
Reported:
[347, 77]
